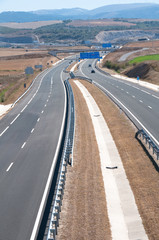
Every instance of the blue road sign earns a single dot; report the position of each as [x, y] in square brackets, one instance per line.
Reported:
[106, 45]
[86, 55]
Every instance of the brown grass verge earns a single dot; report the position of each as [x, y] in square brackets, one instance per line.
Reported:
[141, 173]
[84, 214]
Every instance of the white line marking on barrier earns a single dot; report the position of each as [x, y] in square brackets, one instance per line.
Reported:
[15, 119]
[9, 167]
[4, 131]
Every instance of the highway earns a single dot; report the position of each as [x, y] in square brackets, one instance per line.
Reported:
[29, 138]
[139, 103]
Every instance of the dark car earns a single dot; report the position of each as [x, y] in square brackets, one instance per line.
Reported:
[92, 71]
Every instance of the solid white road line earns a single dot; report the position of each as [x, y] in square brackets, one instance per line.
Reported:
[4, 131]
[15, 119]
[9, 167]
[35, 228]
[142, 126]
[24, 108]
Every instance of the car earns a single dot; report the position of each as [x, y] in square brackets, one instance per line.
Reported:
[92, 71]
[89, 65]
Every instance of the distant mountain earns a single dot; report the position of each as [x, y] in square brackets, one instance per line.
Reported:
[140, 10]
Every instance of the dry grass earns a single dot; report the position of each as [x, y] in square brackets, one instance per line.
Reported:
[12, 67]
[81, 208]
[144, 44]
[99, 22]
[141, 173]
[84, 214]
[29, 25]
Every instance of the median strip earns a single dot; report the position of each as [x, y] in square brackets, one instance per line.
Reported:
[118, 192]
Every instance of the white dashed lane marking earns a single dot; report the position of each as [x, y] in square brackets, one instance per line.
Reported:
[9, 167]
[23, 145]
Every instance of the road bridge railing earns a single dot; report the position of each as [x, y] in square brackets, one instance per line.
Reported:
[67, 158]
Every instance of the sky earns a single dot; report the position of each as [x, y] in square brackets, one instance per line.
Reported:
[31, 5]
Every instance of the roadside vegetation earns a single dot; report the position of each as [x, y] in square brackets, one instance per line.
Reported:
[140, 59]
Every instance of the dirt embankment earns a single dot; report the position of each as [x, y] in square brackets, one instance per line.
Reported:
[147, 71]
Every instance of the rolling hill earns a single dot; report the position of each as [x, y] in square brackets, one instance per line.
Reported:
[140, 10]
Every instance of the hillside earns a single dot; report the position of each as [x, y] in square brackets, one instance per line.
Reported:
[141, 10]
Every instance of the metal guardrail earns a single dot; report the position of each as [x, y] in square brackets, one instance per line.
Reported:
[66, 159]
[148, 141]
[100, 70]
[72, 75]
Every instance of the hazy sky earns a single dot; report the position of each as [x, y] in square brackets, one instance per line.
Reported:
[30, 5]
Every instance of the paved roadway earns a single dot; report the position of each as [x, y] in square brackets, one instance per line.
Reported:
[29, 135]
[140, 103]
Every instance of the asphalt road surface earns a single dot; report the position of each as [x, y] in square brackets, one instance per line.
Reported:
[29, 135]
[141, 104]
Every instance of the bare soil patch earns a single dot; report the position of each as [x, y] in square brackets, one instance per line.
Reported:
[144, 44]
[84, 214]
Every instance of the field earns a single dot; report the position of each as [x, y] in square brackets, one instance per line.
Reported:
[29, 25]
[99, 22]
[12, 70]
[140, 59]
